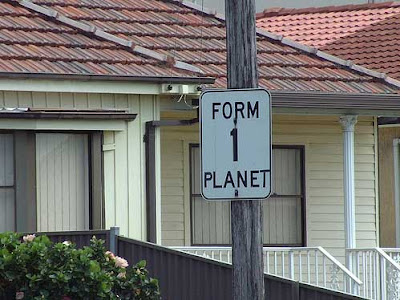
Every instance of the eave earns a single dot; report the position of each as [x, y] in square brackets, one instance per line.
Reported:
[336, 103]
[108, 84]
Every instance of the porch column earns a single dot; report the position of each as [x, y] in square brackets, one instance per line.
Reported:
[348, 122]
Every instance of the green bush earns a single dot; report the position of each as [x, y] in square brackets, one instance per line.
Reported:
[35, 268]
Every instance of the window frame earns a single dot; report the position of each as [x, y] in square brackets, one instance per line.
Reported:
[14, 186]
[303, 198]
[25, 186]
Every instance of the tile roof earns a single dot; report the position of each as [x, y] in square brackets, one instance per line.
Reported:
[367, 34]
[31, 42]
[180, 29]
[179, 34]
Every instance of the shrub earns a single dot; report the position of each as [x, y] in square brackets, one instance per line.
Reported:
[35, 268]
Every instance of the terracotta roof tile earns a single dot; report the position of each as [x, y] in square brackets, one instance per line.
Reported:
[105, 37]
[366, 34]
[33, 43]
[172, 28]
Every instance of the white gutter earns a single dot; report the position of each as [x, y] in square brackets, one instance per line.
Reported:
[98, 86]
[396, 177]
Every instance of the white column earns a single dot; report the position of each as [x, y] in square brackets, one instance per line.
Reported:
[348, 122]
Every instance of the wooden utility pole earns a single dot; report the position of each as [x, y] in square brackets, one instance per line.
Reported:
[246, 216]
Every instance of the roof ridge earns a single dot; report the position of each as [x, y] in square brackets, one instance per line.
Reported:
[93, 30]
[281, 11]
[302, 47]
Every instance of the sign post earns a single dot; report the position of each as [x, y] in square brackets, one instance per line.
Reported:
[236, 150]
[246, 215]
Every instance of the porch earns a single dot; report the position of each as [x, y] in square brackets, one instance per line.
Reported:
[322, 220]
[308, 202]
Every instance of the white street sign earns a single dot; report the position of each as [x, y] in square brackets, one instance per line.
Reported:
[235, 144]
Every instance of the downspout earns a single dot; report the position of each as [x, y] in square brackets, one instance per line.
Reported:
[396, 177]
[151, 180]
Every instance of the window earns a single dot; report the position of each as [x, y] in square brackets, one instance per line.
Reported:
[7, 188]
[283, 211]
[51, 181]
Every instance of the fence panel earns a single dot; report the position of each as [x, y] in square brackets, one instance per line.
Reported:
[180, 275]
[80, 238]
[185, 276]
[309, 292]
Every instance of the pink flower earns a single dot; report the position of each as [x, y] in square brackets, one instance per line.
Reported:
[110, 254]
[19, 295]
[121, 262]
[121, 275]
[29, 238]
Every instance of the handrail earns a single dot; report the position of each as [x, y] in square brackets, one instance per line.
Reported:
[221, 248]
[381, 252]
[339, 264]
[278, 249]
[379, 270]
[388, 258]
[391, 249]
[200, 248]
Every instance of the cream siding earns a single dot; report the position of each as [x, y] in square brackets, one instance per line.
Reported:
[124, 156]
[172, 190]
[322, 138]
[62, 175]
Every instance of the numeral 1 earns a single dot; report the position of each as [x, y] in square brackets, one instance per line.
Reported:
[234, 134]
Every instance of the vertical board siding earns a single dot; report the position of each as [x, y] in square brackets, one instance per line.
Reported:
[123, 152]
[322, 138]
[62, 181]
[7, 196]
[386, 192]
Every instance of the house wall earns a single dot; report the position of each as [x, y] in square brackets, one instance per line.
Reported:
[386, 191]
[322, 138]
[123, 150]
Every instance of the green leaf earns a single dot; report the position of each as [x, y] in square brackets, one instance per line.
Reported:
[141, 264]
[94, 266]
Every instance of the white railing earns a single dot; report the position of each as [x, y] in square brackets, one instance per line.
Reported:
[379, 270]
[312, 265]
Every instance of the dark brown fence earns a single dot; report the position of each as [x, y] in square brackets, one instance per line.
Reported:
[185, 276]
[309, 292]
[80, 238]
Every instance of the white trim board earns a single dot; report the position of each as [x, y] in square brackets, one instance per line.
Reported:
[82, 125]
[88, 86]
